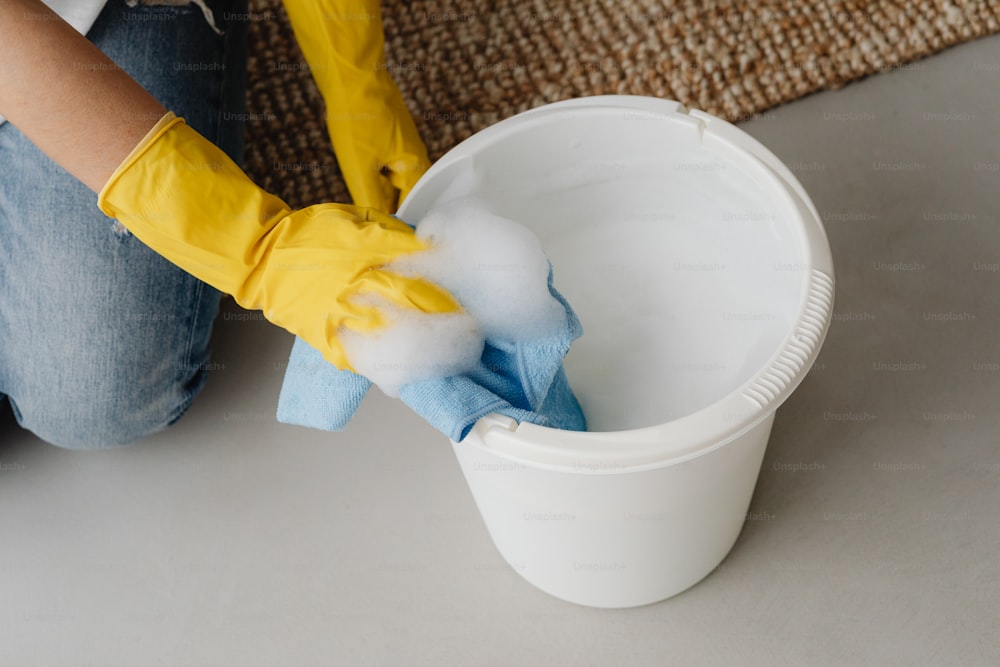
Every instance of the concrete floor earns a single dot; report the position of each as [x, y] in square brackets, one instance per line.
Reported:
[232, 540]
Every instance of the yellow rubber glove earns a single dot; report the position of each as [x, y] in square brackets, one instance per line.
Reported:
[378, 147]
[308, 270]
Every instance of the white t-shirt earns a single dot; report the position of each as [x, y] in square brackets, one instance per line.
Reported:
[80, 14]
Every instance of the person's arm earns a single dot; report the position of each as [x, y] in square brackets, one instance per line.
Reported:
[314, 271]
[66, 96]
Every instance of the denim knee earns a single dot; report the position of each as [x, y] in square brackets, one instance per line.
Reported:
[102, 342]
[112, 415]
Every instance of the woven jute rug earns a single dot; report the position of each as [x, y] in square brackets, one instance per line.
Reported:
[465, 64]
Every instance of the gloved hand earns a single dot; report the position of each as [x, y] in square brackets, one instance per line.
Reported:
[182, 196]
[380, 153]
[378, 148]
[523, 380]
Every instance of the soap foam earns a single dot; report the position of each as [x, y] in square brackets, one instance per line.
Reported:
[493, 266]
[417, 346]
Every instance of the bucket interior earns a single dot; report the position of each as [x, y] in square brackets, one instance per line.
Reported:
[685, 263]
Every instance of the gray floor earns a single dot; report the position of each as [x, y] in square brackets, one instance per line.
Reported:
[232, 540]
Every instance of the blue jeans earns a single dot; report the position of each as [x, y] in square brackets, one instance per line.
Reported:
[102, 341]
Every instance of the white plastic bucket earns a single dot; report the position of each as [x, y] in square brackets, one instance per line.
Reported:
[703, 278]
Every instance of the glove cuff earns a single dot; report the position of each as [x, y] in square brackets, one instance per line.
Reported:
[168, 120]
[183, 197]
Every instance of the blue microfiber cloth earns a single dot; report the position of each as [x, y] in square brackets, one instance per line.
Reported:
[525, 381]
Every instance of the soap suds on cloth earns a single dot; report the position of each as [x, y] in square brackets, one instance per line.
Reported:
[494, 266]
